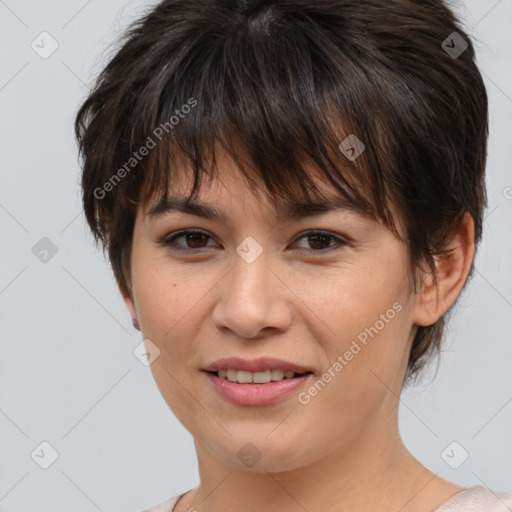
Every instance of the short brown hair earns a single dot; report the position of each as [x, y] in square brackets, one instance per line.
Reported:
[279, 78]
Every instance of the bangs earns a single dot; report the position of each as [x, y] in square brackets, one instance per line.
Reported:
[279, 102]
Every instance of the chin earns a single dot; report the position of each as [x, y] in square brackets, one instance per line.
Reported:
[260, 450]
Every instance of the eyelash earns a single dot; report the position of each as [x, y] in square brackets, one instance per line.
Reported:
[168, 241]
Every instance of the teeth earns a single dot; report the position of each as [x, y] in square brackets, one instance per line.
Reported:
[244, 377]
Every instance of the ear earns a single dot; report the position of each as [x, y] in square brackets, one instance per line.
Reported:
[131, 308]
[128, 296]
[453, 266]
[130, 305]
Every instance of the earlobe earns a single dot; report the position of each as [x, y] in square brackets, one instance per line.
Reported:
[129, 304]
[435, 297]
[131, 308]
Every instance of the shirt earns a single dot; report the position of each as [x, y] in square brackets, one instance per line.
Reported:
[473, 499]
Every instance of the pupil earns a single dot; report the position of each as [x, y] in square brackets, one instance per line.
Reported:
[193, 238]
[314, 239]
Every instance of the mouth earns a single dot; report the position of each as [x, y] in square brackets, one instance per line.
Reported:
[247, 389]
[263, 377]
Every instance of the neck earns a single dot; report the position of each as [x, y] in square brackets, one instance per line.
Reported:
[372, 471]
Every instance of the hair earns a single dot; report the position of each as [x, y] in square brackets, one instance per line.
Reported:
[286, 81]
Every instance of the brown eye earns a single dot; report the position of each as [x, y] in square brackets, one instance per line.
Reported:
[193, 240]
[196, 239]
[320, 241]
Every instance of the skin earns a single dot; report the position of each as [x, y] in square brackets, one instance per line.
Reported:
[342, 450]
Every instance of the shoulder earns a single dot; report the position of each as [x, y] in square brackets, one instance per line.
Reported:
[477, 499]
[165, 506]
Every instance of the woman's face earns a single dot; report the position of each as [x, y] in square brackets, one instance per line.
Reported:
[337, 304]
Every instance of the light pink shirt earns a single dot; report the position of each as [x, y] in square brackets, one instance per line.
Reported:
[472, 499]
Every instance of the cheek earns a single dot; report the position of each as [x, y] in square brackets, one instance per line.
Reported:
[363, 316]
[171, 304]
[167, 306]
[158, 300]
[353, 300]
[164, 295]
[364, 355]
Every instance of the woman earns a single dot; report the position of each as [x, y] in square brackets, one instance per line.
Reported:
[285, 304]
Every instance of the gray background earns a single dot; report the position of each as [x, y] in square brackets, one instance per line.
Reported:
[68, 375]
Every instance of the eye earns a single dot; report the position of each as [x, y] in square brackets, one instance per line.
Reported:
[317, 239]
[194, 239]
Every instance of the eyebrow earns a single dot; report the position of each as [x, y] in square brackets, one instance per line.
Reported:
[290, 211]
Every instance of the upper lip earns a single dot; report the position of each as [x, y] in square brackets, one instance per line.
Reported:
[255, 365]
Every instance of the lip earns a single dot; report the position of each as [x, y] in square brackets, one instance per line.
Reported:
[256, 394]
[255, 365]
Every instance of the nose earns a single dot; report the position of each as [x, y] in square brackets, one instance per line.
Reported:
[252, 299]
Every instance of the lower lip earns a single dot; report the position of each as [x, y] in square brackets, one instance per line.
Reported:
[257, 394]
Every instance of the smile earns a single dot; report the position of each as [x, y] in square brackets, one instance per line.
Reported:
[254, 393]
[263, 377]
